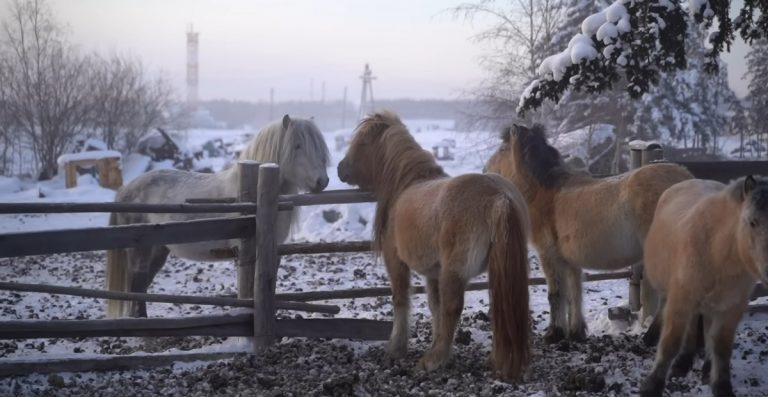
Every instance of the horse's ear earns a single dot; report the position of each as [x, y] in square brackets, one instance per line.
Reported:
[506, 134]
[286, 122]
[749, 184]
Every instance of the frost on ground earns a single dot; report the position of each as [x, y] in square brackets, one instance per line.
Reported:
[612, 361]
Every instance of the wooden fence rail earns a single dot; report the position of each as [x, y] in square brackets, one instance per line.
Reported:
[104, 238]
[214, 325]
[163, 298]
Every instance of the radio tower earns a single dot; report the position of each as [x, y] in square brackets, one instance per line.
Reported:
[192, 69]
[366, 99]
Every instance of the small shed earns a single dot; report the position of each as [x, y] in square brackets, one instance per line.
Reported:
[442, 150]
[107, 163]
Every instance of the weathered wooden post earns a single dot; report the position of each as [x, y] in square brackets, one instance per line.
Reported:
[636, 149]
[641, 294]
[648, 296]
[265, 275]
[246, 256]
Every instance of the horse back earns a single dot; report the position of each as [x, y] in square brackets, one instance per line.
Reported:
[691, 235]
[457, 210]
[645, 185]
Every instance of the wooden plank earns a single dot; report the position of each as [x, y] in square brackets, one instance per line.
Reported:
[267, 260]
[386, 291]
[323, 248]
[344, 196]
[104, 363]
[164, 298]
[335, 328]
[725, 171]
[246, 255]
[221, 325]
[57, 208]
[104, 238]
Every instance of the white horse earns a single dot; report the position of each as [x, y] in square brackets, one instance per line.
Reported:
[296, 145]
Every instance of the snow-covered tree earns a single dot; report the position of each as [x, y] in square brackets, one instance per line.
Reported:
[636, 41]
[757, 71]
[739, 125]
[686, 108]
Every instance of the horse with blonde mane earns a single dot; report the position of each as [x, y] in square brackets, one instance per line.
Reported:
[296, 145]
[579, 221]
[706, 248]
[449, 230]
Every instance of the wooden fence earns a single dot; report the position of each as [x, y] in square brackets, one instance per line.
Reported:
[253, 219]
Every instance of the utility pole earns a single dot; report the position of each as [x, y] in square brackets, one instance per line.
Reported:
[366, 98]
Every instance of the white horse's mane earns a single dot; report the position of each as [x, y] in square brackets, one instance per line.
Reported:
[275, 145]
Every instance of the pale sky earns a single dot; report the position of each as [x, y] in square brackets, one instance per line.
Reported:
[415, 48]
[246, 47]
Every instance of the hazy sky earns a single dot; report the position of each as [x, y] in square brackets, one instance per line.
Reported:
[414, 47]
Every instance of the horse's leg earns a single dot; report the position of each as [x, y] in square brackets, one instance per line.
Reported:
[552, 267]
[433, 296]
[676, 317]
[684, 360]
[721, 334]
[651, 336]
[148, 262]
[400, 281]
[577, 327]
[452, 286]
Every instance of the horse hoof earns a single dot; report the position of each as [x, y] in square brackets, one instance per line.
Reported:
[652, 388]
[554, 335]
[723, 389]
[681, 366]
[578, 335]
[430, 363]
[396, 350]
[705, 369]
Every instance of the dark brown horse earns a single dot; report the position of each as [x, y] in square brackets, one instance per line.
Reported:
[449, 230]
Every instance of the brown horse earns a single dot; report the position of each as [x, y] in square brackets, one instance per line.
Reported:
[449, 230]
[579, 221]
[706, 247]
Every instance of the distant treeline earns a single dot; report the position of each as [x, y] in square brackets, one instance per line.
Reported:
[329, 115]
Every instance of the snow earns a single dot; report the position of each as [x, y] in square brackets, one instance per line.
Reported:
[347, 222]
[88, 155]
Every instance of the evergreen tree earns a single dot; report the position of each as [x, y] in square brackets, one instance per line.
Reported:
[757, 71]
[637, 41]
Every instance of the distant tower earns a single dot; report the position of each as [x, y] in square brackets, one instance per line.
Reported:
[366, 99]
[192, 68]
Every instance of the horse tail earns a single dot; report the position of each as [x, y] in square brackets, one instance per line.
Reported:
[508, 280]
[117, 276]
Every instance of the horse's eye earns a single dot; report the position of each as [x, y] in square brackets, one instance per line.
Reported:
[753, 223]
[298, 146]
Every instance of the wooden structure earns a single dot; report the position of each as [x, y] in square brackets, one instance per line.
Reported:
[258, 260]
[442, 149]
[108, 169]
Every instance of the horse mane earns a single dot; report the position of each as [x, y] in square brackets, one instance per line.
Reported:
[274, 145]
[402, 163]
[541, 159]
[759, 193]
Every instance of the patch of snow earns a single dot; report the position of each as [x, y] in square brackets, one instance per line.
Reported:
[89, 155]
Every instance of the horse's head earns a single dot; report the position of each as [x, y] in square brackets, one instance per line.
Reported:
[364, 153]
[306, 158]
[525, 157]
[754, 223]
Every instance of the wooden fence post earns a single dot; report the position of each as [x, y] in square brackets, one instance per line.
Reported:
[648, 296]
[636, 149]
[267, 261]
[246, 256]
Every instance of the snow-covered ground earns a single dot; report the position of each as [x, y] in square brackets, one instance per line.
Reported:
[612, 362]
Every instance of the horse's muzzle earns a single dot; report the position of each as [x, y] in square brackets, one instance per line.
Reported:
[321, 184]
[343, 171]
